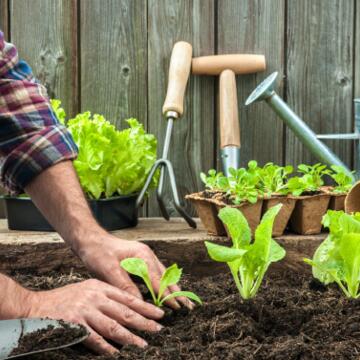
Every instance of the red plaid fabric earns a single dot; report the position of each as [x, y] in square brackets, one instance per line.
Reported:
[31, 137]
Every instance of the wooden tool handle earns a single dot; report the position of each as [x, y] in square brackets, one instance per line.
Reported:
[229, 117]
[238, 63]
[180, 64]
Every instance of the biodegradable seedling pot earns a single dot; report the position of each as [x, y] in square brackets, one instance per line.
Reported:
[282, 219]
[337, 200]
[115, 213]
[307, 215]
[252, 212]
[208, 213]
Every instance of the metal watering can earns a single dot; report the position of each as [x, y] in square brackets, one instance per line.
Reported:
[265, 91]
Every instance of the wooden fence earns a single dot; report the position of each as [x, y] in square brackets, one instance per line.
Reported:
[112, 57]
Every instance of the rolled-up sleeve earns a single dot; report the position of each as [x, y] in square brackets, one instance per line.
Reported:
[31, 137]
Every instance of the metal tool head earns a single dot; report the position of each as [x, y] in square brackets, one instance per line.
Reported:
[263, 90]
[230, 158]
[12, 330]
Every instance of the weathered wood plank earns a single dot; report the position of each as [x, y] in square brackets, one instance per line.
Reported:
[4, 19]
[192, 144]
[114, 60]
[357, 50]
[45, 33]
[319, 72]
[172, 242]
[248, 26]
[113, 37]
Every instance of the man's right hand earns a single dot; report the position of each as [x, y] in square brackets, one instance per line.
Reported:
[103, 309]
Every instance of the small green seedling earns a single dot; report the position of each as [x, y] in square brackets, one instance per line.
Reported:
[342, 179]
[311, 181]
[171, 276]
[337, 259]
[248, 261]
[274, 178]
[215, 181]
[244, 184]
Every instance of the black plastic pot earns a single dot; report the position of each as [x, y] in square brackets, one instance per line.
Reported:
[112, 214]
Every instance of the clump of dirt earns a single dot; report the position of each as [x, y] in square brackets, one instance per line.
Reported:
[291, 318]
[49, 337]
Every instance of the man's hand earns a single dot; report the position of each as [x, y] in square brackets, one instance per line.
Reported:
[57, 193]
[103, 309]
[103, 253]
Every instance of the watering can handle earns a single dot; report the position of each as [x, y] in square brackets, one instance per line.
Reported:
[238, 63]
[229, 117]
[179, 71]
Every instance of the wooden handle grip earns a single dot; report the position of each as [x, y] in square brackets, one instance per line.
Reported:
[179, 71]
[229, 117]
[238, 63]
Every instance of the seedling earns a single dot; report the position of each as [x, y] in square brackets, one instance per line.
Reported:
[244, 184]
[343, 181]
[215, 181]
[337, 259]
[311, 181]
[248, 262]
[274, 178]
[171, 276]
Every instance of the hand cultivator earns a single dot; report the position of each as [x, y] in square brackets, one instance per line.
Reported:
[179, 71]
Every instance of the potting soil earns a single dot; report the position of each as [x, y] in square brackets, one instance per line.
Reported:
[292, 317]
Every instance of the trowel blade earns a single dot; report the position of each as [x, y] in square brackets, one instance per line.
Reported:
[12, 330]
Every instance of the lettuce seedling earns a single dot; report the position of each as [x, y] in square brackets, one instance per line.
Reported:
[215, 181]
[342, 179]
[273, 178]
[244, 184]
[311, 181]
[171, 276]
[248, 262]
[337, 259]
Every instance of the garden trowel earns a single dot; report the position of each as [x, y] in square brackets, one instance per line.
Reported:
[229, 122]
[227, 66]
[11, 332]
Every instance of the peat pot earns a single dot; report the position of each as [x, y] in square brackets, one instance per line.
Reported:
[307, 215]
[283, 217]
[208, 210]
[115, 213]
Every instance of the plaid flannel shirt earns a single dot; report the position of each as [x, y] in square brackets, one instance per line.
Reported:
[31, 137]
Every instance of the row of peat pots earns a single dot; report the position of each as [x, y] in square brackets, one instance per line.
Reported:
[299, 214]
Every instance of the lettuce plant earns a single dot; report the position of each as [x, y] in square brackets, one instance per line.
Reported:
[171, 276]
[248, 261]
[343, 181]
[244, 184]
[337, 259]
[311, 180]
[273, 178]
[215, 181]
[110, 162]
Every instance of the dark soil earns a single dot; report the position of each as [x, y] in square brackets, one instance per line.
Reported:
[48, 338]
[291, 318]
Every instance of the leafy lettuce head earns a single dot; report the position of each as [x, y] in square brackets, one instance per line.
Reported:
[111, 161]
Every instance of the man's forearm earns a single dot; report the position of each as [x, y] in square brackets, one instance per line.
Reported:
[58, 195]
[13, 299]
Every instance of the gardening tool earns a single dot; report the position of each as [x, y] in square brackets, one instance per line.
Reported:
[265, 91]
[179, 71]
[12, 330]
[227, 66]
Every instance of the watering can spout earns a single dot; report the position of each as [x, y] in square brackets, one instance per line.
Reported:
[265, 91]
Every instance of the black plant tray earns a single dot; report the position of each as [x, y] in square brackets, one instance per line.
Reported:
[112, 214]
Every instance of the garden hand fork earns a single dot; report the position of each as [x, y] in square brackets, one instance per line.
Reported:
[180, 64]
